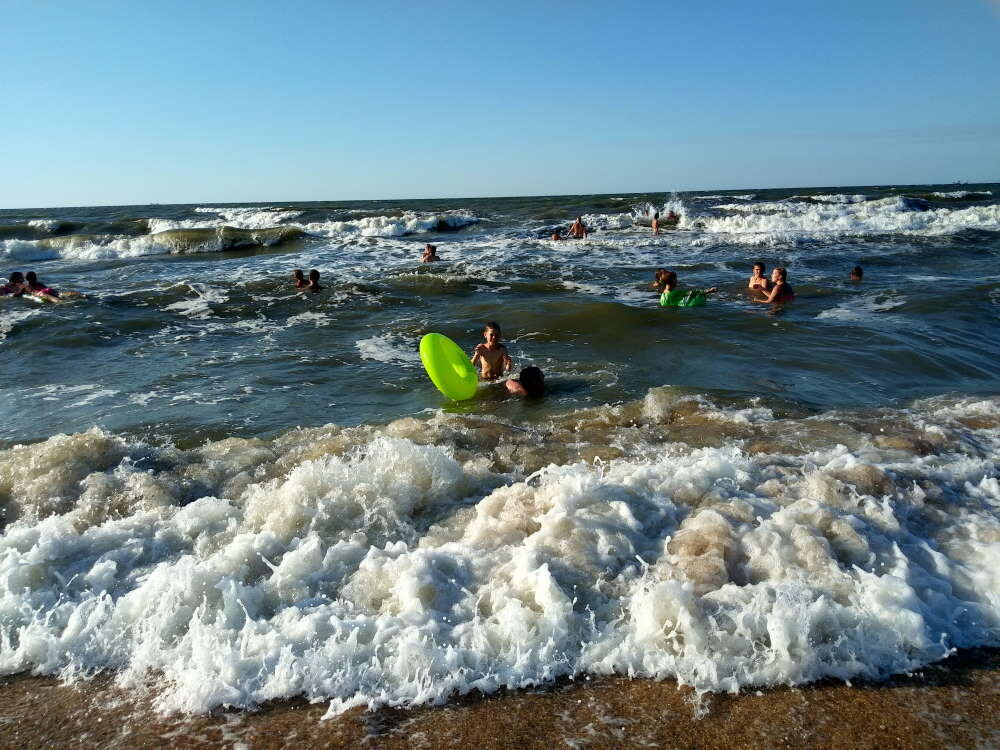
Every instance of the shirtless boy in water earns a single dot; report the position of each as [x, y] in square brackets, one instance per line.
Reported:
[757, 278]
[492, 357]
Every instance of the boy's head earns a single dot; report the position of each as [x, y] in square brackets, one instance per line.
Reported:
[669, 278]
[31, 276]
[532, 380]
[857, 273]
[759, 267]
[314, 275]
[297, 274]
[779, 274]
[491, 332]
[16, 278]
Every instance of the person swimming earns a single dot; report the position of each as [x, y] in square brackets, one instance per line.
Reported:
[37, 288]
[430, 254]
[556, 236]
[658, 284]
[578, 230]
[15, 285]
[674, 297]
[758, 280]
[857, 274]
[491, 357]
[529, 383]
[781, 291]
[313, 284]
[656, 222]
[300, 279]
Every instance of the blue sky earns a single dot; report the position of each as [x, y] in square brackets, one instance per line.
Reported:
[136, 102]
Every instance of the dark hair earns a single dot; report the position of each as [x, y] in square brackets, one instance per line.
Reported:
[16, 278]
[31, 276]
[532, 380]
[492, 325]
[856, 271]
[669, 278]
[432, 248]
[297, 273]
[314, 275]
[656, 215]
[761, 264]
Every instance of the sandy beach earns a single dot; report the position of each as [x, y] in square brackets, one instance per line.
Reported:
[953, 704]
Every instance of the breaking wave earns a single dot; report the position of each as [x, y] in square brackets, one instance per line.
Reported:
[671, 537]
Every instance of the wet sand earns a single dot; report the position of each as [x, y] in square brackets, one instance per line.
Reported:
[952, 704]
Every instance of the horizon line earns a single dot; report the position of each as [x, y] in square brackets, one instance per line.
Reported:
[493, 197]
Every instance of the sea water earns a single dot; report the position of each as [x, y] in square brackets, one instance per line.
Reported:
[234, 492]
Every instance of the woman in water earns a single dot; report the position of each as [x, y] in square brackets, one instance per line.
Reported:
[781, 291]
[37, 288]
[757, 278]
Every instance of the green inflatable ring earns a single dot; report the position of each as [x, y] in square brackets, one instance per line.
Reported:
[683, 298]
[448, 367]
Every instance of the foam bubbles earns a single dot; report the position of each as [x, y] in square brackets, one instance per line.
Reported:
[398, 565]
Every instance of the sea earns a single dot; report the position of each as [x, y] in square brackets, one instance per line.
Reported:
[226, 492]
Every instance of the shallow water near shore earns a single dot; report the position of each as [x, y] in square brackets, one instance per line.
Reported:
[212, 484]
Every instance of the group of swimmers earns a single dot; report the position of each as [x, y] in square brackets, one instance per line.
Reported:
[773, 289]
[19, 284]
[306, 286]
[577, 231]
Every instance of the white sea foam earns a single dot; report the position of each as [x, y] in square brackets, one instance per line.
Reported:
[408, 222]
[400, 565]
[863, 307]
[745, 197]
[13, 312]
[832, 198]
[391, 348]
[765, 223]
[200, 305]
[962, 193]
[250, 218]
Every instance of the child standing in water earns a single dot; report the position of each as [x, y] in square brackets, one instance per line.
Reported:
[491, 358]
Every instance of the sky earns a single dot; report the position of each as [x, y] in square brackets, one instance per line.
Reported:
[112, 103]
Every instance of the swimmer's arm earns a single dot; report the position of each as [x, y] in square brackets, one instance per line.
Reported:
[770, 296]
[507, 363]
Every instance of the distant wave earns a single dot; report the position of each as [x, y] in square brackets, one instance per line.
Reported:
[173, 241]
[403, 224]
[763, 223]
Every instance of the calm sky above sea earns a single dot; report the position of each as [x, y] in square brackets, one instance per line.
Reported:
[127, 102]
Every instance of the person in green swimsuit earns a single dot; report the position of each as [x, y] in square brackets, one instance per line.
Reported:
[674, 297]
